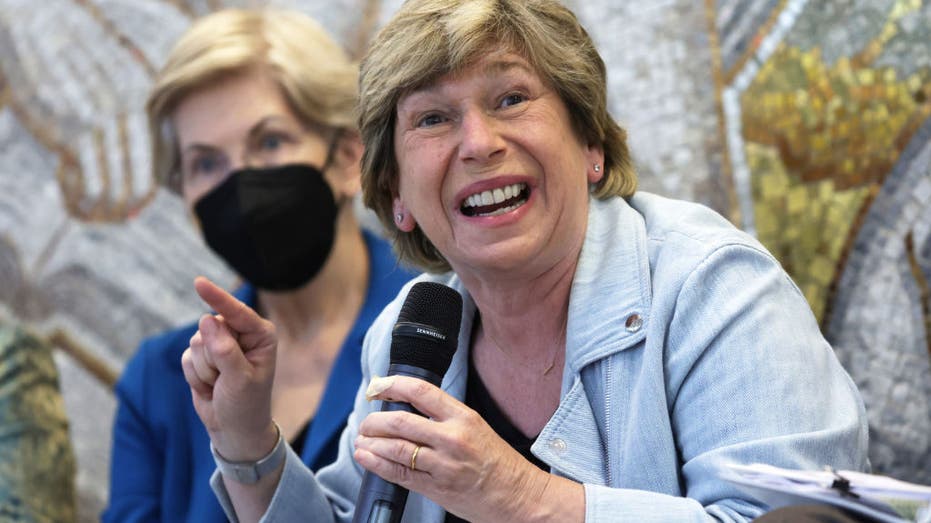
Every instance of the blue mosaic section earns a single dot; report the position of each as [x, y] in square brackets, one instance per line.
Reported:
[839, 28]
[878, 326]
[737, 23]
[909, 49]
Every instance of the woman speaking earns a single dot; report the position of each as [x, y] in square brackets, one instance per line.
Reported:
[618, 349]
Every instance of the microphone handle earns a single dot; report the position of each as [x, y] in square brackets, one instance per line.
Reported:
[381, 501]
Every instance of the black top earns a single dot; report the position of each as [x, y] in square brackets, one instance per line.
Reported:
[297, 444]
[479, 399]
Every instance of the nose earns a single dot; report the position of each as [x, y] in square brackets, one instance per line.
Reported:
[481, 140]
[238, 159]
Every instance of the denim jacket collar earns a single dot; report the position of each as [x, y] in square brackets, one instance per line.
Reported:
[610, 300]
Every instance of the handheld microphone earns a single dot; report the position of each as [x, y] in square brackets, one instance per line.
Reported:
[422, 345]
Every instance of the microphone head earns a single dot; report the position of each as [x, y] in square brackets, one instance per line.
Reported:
[427, 332]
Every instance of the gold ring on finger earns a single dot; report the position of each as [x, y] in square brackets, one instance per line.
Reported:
[414, 457]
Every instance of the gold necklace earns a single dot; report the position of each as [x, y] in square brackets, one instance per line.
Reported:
[511, 359]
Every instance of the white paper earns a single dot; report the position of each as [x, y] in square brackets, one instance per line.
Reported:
[882, 498]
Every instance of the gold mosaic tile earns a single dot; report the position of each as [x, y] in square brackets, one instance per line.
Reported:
[820, 137]
[804, 224]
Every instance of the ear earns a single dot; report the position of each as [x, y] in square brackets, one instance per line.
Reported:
[403, 219]
[345, 171]
[596, 163]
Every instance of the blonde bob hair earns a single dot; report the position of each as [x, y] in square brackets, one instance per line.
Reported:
[427, 39]
[315, 75]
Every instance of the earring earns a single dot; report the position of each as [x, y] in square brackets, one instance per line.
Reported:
[597, 168]
[399, 217]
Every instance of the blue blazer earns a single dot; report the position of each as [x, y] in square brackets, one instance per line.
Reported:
[161, 462]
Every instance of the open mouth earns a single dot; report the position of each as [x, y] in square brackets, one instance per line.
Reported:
[497, 201]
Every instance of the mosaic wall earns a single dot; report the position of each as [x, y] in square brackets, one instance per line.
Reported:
[826, 106]
[806, 123]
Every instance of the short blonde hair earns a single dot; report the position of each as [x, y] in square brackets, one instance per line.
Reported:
[315, 75]
[427, 39]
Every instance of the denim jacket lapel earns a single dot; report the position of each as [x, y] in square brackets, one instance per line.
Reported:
[561, 447]
[608, 313]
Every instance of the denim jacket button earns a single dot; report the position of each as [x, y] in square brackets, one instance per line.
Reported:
[558, 445]
[634, 322]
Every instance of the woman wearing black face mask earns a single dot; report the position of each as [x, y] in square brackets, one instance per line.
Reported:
[252, 121]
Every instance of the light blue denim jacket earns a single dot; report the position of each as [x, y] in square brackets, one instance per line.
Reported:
[688, 347]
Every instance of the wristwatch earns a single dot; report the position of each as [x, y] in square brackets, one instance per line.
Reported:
[250, 472]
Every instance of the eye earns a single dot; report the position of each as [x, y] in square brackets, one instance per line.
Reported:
[205, 164]
[512, 99]
[430, 120]
[270, 141]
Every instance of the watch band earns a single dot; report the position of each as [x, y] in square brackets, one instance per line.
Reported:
[250, 472]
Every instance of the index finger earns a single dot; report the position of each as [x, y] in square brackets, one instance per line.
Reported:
[235, 313]
[429, 399]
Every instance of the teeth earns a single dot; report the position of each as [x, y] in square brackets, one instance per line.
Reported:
[495, 196]
[503, 210]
